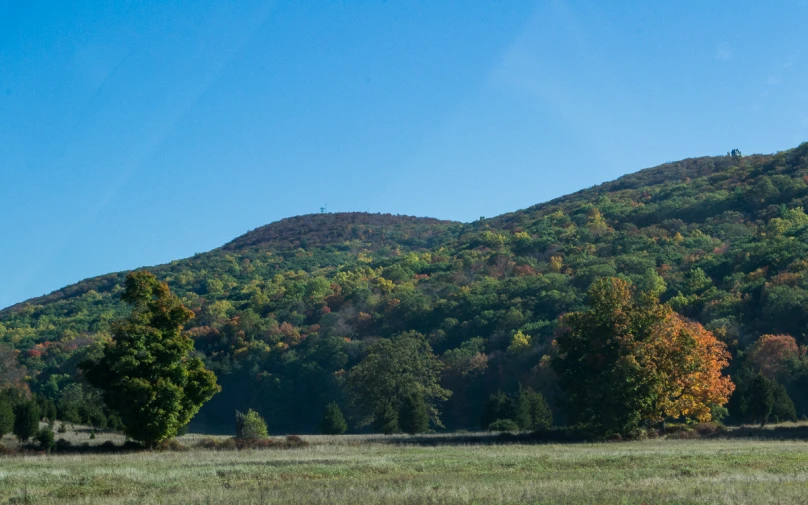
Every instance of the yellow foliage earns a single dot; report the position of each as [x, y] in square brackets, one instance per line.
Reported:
[519, 342]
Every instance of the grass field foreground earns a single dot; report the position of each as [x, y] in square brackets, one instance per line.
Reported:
[654, 471]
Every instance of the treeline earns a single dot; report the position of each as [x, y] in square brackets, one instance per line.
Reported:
[284, 314]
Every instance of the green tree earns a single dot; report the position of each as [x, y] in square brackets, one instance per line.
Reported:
[6, 416]
[532, 410]
[412, 416]
[46, 439]
[782, 407]
[386, 420]
[607, 388]
[498, 406]
[333, 422]
[146, 372]
[760, 399]
[393, 369]
[26, 420]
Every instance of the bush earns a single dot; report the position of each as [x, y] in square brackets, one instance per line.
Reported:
[46, 439]
[333, 422]
[171, 445]
[62, 428]
[250, 426]
[503, 425]
[498, 406]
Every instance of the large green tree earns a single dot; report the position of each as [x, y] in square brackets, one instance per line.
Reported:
[392, 370]
[600, 363]
[147, 372]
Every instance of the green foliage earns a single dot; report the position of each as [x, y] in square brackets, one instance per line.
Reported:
[251, 426]
[386, 419]
[412, 415]
[6, 416]
[333, 422]
[392, 370]
[782, 407]
[503, 425]
[532, 410]
[602, 378]
[498, 406]
[46, 439]
[146, 372]
[26, 420]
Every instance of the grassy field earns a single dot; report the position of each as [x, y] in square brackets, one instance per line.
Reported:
[354, 470]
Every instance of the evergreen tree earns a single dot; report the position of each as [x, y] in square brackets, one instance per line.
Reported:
[532, 410]
[147, 373]
[26, 420]
[386, 420]
[333, 422]
[6, 416]
[498, 406]
[782, 407]
[760, 400]
[413, 417]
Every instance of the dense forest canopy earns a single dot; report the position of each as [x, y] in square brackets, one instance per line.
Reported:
[285, 311]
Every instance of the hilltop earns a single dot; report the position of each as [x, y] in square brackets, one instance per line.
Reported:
[282, 310]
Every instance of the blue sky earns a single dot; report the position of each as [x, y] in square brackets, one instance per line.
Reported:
[134, 133]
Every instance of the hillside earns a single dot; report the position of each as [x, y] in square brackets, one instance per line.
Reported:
[283, 310]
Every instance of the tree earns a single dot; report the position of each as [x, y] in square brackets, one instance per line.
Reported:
[146, 373]
[777, 356]
[333, 422]
[45, 438]
[532, 411]
[629, 359]
[498, 406]
[760, 400]
[6, 416]
[26, 420]
[412, 416]
[782, 407]
[393, 369]
[386, 419]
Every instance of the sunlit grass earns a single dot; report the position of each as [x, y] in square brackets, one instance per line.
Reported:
[348, 470]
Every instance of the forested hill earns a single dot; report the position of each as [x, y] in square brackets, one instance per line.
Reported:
[284, 310]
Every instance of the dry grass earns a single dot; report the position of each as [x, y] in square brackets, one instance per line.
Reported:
[354, 469]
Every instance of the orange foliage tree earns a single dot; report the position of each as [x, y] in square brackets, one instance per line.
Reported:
[776, 356]
[686, 362]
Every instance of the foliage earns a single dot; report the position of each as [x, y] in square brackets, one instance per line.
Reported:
[412, 416]
[532, 410]
[628, 360]
[392, 370]
[504, 425]
[333, 422]
[45, 438]
[26, 420]
[498, 406]
[146, 371]
[284, 312]
[251, 426]
[6, 416]
[386, 419]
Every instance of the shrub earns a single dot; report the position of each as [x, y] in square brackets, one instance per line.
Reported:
[62, 428]
[250, 426]
[503, 425]
[333, 422]
[498, 406]
[46, 439]
[172, 445]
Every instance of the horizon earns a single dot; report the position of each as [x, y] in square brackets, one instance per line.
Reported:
[139, 135]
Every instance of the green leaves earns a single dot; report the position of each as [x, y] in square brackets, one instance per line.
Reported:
[146, 373]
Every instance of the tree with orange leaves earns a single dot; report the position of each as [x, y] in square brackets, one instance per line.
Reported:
[686, 362]
[777, 357]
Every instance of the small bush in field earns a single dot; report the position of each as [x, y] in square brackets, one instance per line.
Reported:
[250, 426]
[172, 445]
[46, 439]
[62, 428]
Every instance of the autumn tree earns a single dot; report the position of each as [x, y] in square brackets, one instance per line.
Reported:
[393, 369]
[777, 356]
[630, 360]
[147, 373]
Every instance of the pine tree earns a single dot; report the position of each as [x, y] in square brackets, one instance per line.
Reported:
[498, 406]
[532, 411]
[386, 420]
[413, 417]
[6, 416]
[26, 420]
[783, 407]
[333, 422]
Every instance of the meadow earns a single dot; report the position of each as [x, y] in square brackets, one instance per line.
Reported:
[362, 470]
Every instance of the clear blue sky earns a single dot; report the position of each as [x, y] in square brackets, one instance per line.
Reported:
[134, 133]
